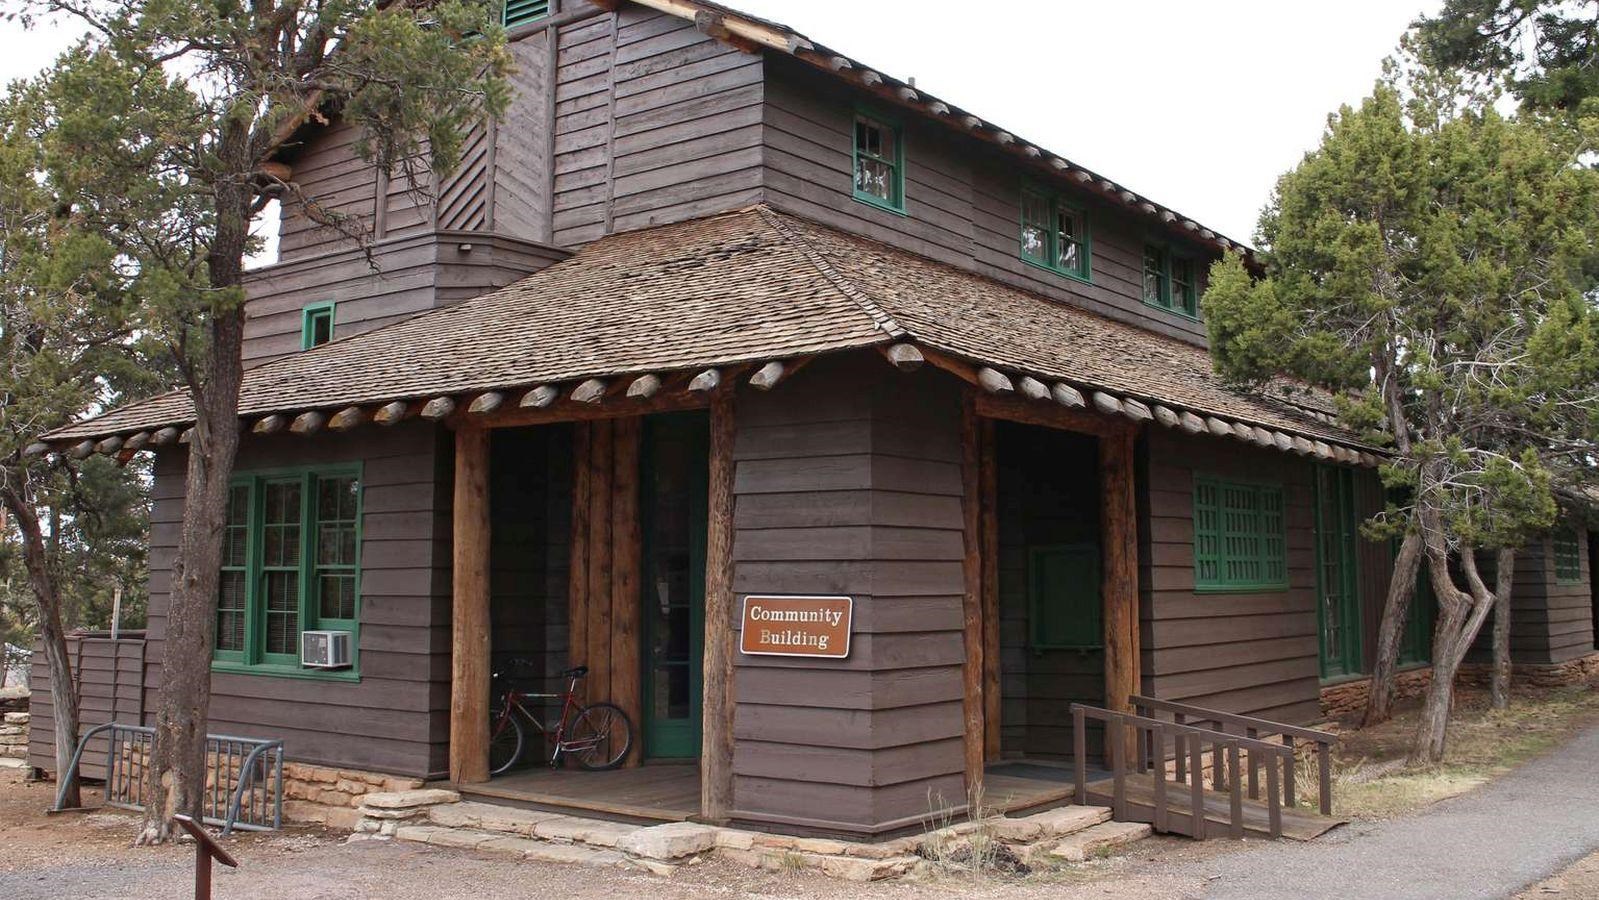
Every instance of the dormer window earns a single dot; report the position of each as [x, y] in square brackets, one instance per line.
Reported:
[879, 164]
[1054, 234]
[1170, 280]
[316, 325]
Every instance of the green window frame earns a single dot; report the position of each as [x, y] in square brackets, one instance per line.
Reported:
[1240, 536]
[316, 324]
[1566, 546]
[1171, 280]
[1063, 597]
[520, 12]
[291, 563]
[879, 167]
[1055, 235]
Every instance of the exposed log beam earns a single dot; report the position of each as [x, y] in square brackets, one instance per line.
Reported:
[1049, 415]
[1068, 396]
[706, 381]
[137, 441]
[768, 376]
[1032, 388]
[438, 408]
[391, 413]
[904, 357]
[1304, 447]
[1219, 427]
[994, 382]
[187, 436]
[1283, 441]
[644, 387]
[569, 410]
[271, 424]
[1165, 416]
[590, 391]
[486, 403]
[1136, 411]
[308, 422]
[540, 397]
[165, 436]
[110, 445]
[347, 418]
[1243, 432]
[1192, 423]
[37, 448]
[82, 450]
[1105, 403]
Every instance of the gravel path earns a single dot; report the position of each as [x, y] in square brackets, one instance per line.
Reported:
[1490, 843]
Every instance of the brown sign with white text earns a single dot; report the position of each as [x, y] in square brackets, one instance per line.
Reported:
[796, 626]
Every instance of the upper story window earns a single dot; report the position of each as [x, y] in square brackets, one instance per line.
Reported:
[1240, 536]
[1170, 280]
[316, 325]
[1054, 234]
[519, 12]
[1568, 555]
[879, 164]
[289, 563]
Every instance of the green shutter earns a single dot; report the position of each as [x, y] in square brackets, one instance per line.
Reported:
[1063, 599]
[518, 12]
[1240, 539]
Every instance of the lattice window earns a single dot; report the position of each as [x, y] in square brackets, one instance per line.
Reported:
[1240, 541]
[1568, 555]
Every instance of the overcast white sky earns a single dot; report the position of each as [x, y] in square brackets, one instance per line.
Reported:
[1198, 105]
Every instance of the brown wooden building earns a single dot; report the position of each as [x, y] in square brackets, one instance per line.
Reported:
[716, 312]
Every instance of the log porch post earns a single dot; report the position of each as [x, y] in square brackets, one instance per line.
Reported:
[972, 670]
[469, 619]
[716, 754]
[1119, 591]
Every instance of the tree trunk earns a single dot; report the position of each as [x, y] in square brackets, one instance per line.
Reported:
[1499, 691]
[63, 694]
[1462, 614]
[1401, 591]
[176, 778]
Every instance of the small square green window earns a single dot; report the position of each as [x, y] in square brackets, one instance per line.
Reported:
[879, 164]
[1054, 234]
[518, 12]
[1568, 555]
[316, 325]
[1170, 280]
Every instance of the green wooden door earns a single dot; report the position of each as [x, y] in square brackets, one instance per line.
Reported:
[1337, 575]
[675, 464]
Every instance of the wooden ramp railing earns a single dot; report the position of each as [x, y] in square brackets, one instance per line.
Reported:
[1175, 799]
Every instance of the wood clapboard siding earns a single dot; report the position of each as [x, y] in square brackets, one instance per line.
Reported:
[847, 482]
[522, 145]
[962, 199]
[108, 674]
[654, 123]
[1550, 622]
[403, 277]
[396, 718]
[330, 172]
[1251, 653]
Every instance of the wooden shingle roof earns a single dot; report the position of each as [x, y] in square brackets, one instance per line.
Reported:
[742, 287]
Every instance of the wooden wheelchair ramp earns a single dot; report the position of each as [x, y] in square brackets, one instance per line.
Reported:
[1204, 773]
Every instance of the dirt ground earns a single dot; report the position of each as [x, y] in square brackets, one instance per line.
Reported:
[87, 855]
[1580, 882]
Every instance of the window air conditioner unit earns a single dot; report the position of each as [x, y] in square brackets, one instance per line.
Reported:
[325, 649]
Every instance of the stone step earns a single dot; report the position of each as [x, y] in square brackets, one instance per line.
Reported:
[503, 844]
[1096, 840]
[1051, 823]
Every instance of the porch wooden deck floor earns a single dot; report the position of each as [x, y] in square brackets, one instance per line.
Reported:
[1298, 824]
[665, 792]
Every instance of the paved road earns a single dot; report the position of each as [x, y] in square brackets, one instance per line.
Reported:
[1490, 843]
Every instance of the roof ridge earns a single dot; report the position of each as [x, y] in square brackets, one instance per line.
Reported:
[880, 317]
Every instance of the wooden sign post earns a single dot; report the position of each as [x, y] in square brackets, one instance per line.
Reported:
[205, 849]
[796, 626]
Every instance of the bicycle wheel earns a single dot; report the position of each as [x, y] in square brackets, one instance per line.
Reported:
[505, 743]
[599, 738]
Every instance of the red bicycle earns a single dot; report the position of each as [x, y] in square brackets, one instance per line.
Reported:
[598, 735]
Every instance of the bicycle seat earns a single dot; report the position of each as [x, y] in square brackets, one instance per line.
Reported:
[576, 671]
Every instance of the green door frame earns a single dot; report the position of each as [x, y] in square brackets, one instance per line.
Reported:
[1337, 573]
[666, 738]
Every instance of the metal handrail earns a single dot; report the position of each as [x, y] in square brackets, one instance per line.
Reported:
[247, 774]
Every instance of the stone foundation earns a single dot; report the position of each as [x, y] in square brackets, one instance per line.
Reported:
[1348, 699]
[14, 729]
[320, 795]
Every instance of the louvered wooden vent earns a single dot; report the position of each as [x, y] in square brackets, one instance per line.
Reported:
[518, 12]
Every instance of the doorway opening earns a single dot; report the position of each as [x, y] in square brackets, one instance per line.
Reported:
[1047, 509]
